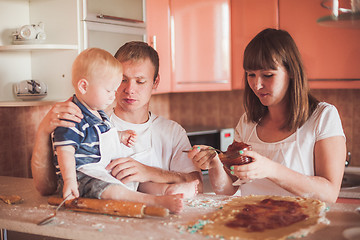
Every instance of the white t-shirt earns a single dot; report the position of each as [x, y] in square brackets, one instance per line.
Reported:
[295, 152]
[160, 143]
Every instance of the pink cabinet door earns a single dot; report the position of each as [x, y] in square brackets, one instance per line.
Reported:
[248, 17]
[158, 36]
[200, 45]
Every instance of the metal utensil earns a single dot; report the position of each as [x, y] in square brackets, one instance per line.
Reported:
[52, 216]
[207, 149]
[222, 155]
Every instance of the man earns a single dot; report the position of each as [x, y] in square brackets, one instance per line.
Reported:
[160, 141]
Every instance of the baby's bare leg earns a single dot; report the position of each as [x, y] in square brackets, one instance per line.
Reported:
[172, 202]
[189, 189]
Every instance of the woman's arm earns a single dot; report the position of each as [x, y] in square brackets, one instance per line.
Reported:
[220, 179]
[42, 168]
[329, 162]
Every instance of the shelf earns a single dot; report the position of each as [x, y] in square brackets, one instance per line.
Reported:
[20, 103]
[30, 47]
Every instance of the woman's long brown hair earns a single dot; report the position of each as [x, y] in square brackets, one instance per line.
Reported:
[266, 50]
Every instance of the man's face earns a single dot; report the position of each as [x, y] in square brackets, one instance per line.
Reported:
[135, 90]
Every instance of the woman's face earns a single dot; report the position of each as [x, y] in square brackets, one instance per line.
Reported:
[269, 85]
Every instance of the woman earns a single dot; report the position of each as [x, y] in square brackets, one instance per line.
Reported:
[298, 142]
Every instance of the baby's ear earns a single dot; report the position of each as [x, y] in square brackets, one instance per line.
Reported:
[82, 85]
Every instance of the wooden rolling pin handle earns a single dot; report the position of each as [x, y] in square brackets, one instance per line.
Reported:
[111, 207]
[156, 211]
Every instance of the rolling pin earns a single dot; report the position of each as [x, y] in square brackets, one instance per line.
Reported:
[111, 207]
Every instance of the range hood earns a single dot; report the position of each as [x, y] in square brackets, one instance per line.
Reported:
[341, 17]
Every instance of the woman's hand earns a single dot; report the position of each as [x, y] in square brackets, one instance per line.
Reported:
[59, 114]
[204, 159]
[261, 167]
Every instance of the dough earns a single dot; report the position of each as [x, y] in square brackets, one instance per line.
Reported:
[265, 217]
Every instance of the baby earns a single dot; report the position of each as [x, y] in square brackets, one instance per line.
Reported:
[96, 75]
[82, 152]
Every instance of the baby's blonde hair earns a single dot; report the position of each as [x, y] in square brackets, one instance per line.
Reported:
[94, 62]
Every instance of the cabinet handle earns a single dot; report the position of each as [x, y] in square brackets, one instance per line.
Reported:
[102, 16]
[153, 42]
[204, 82]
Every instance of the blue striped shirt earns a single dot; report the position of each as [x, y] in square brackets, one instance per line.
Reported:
[84, 136]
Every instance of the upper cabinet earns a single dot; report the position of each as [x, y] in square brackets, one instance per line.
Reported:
[108, 24]
[49, 61]
[329, 53]
[247, 19]
[158, 36]
[200, 45]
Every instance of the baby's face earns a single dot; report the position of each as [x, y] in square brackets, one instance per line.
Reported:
[101, 92]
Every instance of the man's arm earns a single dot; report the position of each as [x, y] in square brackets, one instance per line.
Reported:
[43, 171]
[160, 175]
[129, 170]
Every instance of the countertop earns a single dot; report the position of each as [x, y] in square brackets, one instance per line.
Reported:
[354, 191]
[79, 225]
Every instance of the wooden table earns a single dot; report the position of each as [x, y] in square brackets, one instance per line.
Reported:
[75, 225]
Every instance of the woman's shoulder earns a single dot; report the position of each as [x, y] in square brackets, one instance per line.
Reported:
[244, 121]
[244, 128]
[324, 108]
[326, 121]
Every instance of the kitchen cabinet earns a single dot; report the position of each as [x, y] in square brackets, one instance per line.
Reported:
[50, 61]
[108, 24]
[330, 55]
[200, 45]
[70, 26]
[247, 19]
[158, 36]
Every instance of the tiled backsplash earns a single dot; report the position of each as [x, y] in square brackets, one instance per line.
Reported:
[216, 109]
[17, 133]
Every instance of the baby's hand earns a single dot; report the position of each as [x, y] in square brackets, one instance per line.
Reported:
[70, 188]
[128, 138]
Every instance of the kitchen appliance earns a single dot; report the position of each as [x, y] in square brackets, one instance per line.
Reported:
[30, 34]
[30, 89]
[219, 138]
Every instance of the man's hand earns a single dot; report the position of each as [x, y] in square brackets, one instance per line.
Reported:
[129, 170]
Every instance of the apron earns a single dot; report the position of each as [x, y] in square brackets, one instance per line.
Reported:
[145, 150]
[286, 152]
[111, 148]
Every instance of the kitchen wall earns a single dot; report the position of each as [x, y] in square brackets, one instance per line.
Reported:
[216, 109]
